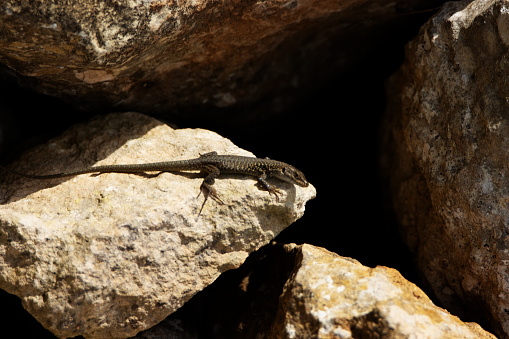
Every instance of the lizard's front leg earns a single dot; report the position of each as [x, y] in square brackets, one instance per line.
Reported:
[271, 188]
[206, 186]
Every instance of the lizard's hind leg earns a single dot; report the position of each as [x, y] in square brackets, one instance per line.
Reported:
[206, 186]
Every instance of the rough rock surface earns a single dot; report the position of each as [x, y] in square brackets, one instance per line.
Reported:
[329, 296]
[289, 291]
[446, 157]
[173, 56]
[110, 255]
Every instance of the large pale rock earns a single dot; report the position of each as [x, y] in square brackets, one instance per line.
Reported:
[110, 255]
[446, 157]
[329, 296]
[177, 56]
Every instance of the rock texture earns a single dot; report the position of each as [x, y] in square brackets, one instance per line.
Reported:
[110, 255]
[446, 157]
[179, 56]
[290, 291]
[328, 296]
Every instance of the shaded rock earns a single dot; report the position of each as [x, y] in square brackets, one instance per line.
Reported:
[110, 255]
[241, 303]
[446, 160]
[168, 56]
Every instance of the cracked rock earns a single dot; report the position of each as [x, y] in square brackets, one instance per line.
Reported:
[304, 291]
[109, 255]
[446, 160]
[185, 57]
[329, 296]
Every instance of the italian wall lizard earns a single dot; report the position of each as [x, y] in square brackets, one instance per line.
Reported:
[212, 164]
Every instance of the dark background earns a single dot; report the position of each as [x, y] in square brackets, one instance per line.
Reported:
[331, 134]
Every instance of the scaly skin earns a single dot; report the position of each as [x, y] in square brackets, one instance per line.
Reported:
[210, 163]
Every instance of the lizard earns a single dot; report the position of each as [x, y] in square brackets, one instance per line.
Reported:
[211, 163]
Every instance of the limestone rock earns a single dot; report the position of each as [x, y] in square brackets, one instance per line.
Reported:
[178, 56]
[241, 303]
[110, 255]
[290, 291]
[329, 296]
[446, 160]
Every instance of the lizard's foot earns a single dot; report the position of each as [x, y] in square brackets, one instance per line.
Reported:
[209, 190]
[270, 188]
[273, 190]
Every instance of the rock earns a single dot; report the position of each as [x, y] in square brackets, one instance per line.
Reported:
[189, 56]
[241, 303]
[290, 291]
[110, 255]
[329, 296]
[445, 157]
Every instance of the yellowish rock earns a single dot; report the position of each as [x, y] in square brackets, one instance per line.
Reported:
[329, 296]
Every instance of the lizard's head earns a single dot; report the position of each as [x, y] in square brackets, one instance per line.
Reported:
[292, 175]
